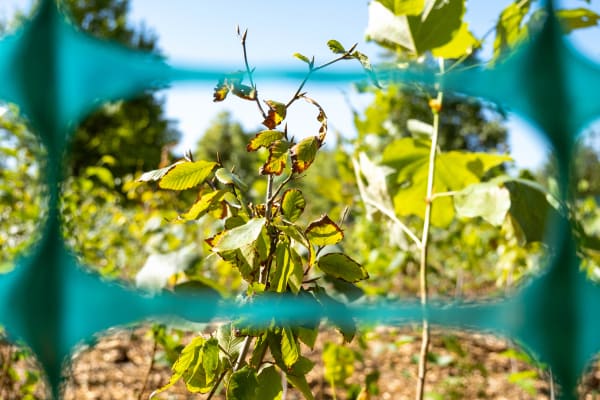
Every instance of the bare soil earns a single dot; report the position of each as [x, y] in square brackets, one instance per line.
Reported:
[126, 364]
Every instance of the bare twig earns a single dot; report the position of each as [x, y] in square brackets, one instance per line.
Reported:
[249, 71]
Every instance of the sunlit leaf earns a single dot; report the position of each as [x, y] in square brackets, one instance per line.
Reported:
[157, 174]
[264, 139]
[304, 152]
[240, 236]
[283, 267]
[275, 115]
[454, 171]
[577, 18]
[489, 200]
[323, 232]
[432, 28]
[463, 43]
[302, 57]
[278, 154]
[419, 129]
[203, 205]
[336, 47]
[243, 385]
[341, 266]
[289, 347]
[508, 28]
[292, 204]
[186, 175]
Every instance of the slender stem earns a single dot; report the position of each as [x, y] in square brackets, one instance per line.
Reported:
[443, 194]
[263, 275]
[312, 69]
[215, 387]
[425, 334]
[249, 72]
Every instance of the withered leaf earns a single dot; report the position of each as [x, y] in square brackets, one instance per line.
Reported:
[304, 152]
[275, 115]
[324, 231]
[275, 164]
[264, 139]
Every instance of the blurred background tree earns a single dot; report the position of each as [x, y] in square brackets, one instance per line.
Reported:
[136, 131]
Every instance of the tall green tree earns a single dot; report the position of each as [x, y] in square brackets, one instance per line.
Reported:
[135, 132]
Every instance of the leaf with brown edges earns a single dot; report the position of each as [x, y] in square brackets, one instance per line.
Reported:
[277, 160]
[304, 152]
[275, 115]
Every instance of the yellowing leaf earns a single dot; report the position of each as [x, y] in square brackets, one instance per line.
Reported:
[508, 28]
[186, 175]
[323, 232]
[302, 57]
[283, 268]
[203, 205]
[463, 42]
[264, 139]
[292, 204]
[244, 92]
[275, 115]
[304, 152]
[341, 266]
[278, 152]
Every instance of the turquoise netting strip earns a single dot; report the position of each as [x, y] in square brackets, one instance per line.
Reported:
[56, 74]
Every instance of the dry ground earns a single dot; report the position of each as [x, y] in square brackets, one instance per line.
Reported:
[463, 366]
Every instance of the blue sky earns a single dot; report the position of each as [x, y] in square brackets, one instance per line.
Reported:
[192, 32]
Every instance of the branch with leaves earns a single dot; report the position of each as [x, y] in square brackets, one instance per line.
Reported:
[266, 240]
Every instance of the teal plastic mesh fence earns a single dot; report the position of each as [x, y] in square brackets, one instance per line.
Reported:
[57, 74]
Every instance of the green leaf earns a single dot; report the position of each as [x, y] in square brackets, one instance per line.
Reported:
[530, 210]
[292, 204]
[157, 174]
[304, 152]
[230, 342]
[300, 383]
[264, 139]
[323, 232]
[577, 18]
[463, 43]
[341, 266]
[336, 47]
[289, 347]
[278, 152]
[308, 336]
[454, 171]
[508, 28]
[227, 177]
[186, 175]
[205, 203]
[244, 92]
[198, 288]
[366, 64]
[404, 7]
[283, 267]
[243, 385]
[489, 200]
[302, 57]
[432, 28]
[269, 384]
[210, 360]
[240, 236]
[275, 115]
[103, 174]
